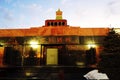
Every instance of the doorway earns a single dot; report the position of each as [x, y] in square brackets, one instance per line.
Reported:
[53, 54]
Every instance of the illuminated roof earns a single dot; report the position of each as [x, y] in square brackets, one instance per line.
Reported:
[54, 31]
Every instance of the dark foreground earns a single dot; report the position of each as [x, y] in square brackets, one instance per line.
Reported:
[44, 73]
[51, 73]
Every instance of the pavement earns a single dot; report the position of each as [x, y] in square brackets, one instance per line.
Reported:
[43, 72]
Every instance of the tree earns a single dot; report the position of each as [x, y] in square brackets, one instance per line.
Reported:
[111, 51]
[110, 56]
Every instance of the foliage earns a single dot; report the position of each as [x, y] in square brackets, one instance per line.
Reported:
[111, 52]
[110, 56]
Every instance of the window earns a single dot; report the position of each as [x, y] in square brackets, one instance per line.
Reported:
[59, 23]
[63, 23]
[48, 24]
[55, 24]
[51, 23]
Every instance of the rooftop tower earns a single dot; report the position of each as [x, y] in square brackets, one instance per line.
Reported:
[58, 14]
[58, 22]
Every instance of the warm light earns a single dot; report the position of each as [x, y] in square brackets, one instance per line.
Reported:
[1, 44]
[34, 44]
[117, 30]
[27, 73]
[91, 45]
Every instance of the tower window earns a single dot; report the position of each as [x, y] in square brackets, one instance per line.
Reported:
[51, 23]
[63, 23]
[48, 24]
[59, 23]
[55, 24]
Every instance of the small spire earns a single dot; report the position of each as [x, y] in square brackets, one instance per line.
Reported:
[59, 14]
[59, 10]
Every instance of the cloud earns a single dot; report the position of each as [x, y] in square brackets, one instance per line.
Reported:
[34, 7]
[29, 14]
[31, 6]
[114, 7]
[7, 14]
[49, 10]
[31, 9]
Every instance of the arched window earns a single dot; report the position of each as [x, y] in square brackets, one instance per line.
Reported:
[55, 24]
[48, 24]
[51, 23]
[63, 23]
[59, 23]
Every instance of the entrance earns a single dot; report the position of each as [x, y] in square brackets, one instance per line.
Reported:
[53, 54]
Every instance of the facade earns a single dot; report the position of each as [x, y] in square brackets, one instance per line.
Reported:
[55, 43]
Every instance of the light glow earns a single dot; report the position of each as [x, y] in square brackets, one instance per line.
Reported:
[34, 44]
[91, 46]
[27, 73]
[117, 30]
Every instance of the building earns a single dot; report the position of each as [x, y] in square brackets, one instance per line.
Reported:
[55, 43]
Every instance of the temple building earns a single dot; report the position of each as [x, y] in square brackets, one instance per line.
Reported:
[55, 43]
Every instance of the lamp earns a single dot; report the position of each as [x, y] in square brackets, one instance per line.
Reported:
[91, 46]
[34, 44]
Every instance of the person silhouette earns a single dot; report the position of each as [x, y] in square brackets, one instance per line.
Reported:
[32, 53]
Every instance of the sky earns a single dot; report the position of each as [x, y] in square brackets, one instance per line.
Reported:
[81, 13]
